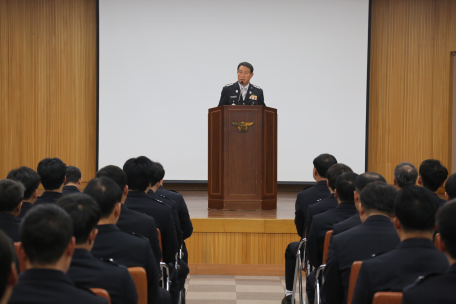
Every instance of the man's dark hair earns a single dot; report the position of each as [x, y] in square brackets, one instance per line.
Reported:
[415, 208]
[323, 162]
[334, 172]
[366, 178]
[28, 177]
[405, 174]
[114, 173]
[73, 175]
[345, 186]
[450, 186]
[139, 173]
[52, 172]
[160, 170]
[84, 212]
[378, 196]
[46, 230]
[447, 226]
[433, 174]
[105, 192]
[6, 259]
[11, 194]
[247, 65]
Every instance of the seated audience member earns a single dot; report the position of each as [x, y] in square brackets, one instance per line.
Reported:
[11, 195]
[86, 270]
[47, 242]
[31, 180]
[360, 183]
[52, 173]
[112, 243]
[129, 220]
[432, 176]
[405, 174]
[375, 236]
[73, 180]
[312, 194]
[450, 187]
[438, 288]
[414, 209]
[8, 274]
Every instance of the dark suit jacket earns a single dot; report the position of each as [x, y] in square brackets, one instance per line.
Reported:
[26, 206]
[441, 200]
[10, 225]
[321, 224]
[47, 197]
[398, 268]
[347, 224]
[231, 93]
[319, 207]
[49, 286]
[306, 198]
[432, 289]
[88, 272]
[376, 236]
[70, 190]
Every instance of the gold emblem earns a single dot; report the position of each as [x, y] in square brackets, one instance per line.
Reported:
[242, 126]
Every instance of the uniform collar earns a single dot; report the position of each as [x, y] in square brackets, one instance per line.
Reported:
[107, 228]
[42, 274]
[50, 194]
[346, 206]
[71, 187]
[137, 194]
[8, 217]
[246, 87]
[82, 254]
[377, 218]
[416, 242]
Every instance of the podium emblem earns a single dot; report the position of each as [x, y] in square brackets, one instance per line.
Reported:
[242, 126]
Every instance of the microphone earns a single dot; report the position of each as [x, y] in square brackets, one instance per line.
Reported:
[240, 91]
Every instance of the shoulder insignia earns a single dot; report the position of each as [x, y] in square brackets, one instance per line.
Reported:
[138, 235]
[318, 200]
[157, 200]
[110, 261]
[377, 254]
[229, 84]
[421, 279]
[174, 191]
[161, 195]
[257, 87]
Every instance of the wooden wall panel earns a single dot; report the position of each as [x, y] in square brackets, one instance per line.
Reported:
[48, 83]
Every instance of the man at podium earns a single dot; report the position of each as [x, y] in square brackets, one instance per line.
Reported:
[242, 92]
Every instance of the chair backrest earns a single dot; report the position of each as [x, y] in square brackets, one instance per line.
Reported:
[21, 260]
[139, 277]
[352, 282]
[387, 298]
[160, 243]
[326, 245]
[437, 240]
[101, 293]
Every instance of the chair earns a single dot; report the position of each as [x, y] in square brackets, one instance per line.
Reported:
[160, 243]
[437, 240]
[326, 246]
[164, 269]
[353, 277]
[101, 293]
[22, 261]
[322, 267]
[139, 277]
[387, 298]
[298, 270]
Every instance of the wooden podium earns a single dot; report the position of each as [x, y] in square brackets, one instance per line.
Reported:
[242, 158]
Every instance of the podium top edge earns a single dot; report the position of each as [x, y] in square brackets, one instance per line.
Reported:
[242, 107]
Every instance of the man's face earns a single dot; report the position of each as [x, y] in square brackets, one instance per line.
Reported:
[244, 75]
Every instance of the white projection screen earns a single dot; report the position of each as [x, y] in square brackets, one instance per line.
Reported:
[163, 64]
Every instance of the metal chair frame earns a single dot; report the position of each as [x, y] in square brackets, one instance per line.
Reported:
[319, 273]
[299, 269]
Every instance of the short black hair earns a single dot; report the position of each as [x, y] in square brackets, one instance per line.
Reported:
[11, 194]
[73, 174]
[138, 172]
[114, 173]
[366, 178]
[334, 172]
[323, 162]
[84, 212]
[160, 171]
[45, 231]
[433, 174]
[52, 172]
[446, 226]
[6, 259]
[247, 65]
[415, 208]
[345, 186]
[105, 192]
[405, 174]
[378, 196]
[450, 186]
[28, 177]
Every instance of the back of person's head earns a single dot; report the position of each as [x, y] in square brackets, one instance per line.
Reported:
[323, 162]
[160, 170]
[45, 231]
[366, 178]
[446, 226]
[84, 212]
[138, 172]
[334, 172]
[28, 177]
[345, 186]
[405, 174]
[415, 208]
[378, 197]
[106, 193]
[114, 173]
[11, 195]
[450, 186]
[433, 174]
[6, 270]
[52, 172]
[73, 175]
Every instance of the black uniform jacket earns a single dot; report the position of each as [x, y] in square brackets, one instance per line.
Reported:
[398, 268]
[321, 206]
[163, 215]
[321, 224]
[132, 221]
[349, 223]
[70, 190]
[48, 286]
[89, 272]
[376, 236]
[26, 206]
[231, 94]
[432, 289]
[47, 197]
[306, 198]
[10, 225]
